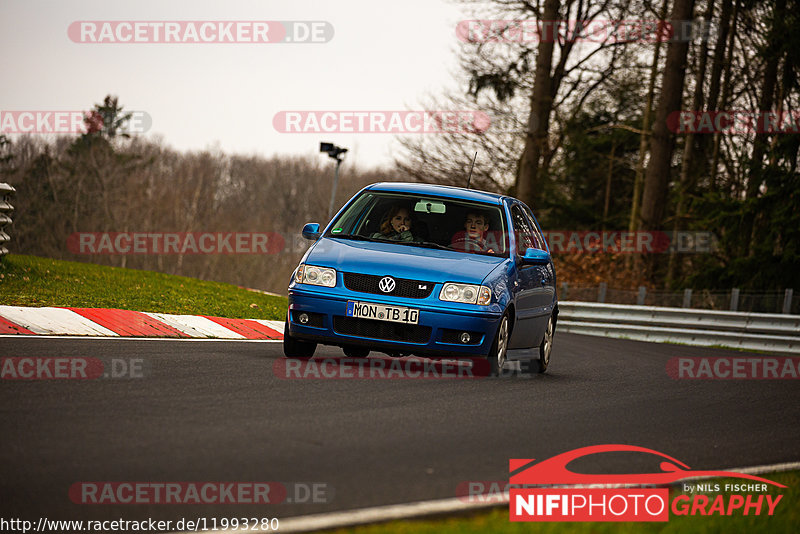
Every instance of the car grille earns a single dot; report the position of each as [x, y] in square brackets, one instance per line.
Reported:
[410, 333]
[368, 283]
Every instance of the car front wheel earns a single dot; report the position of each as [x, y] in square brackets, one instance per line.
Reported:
[497, 354]
[539, 365]
[294, 348]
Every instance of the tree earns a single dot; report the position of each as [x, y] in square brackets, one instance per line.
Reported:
[530, 83]
[662, 141]
[108, 119]
[541, 105]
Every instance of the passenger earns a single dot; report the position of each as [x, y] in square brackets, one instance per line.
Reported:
[473, 237]
[396, 225]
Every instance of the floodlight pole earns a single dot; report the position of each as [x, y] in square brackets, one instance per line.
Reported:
[335, 184]
[335, 152]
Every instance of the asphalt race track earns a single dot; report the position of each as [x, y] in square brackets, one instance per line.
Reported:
[215, 411]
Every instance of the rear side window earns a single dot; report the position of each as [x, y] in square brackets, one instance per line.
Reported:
[537, 234]
[522, 230]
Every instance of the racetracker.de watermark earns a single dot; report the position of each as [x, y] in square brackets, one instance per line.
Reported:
[151, 243]
[192, 524]
[382, 121]
[483, 491]
[591, 31]
[735, 368]
[621, 242]
[734, 122]
[205, 492]
[200, 31]
[67, 122]
[71, 368]
[380, 368]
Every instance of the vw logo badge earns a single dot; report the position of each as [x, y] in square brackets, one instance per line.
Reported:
[386, 284]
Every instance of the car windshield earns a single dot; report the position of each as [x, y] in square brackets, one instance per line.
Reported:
[422, 221]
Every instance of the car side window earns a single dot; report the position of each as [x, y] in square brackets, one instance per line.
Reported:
[522, 230]
[352, 220]
[537, 234]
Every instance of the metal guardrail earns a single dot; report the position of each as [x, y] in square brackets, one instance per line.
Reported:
[733, 299]
[770, 332]
[6, 192]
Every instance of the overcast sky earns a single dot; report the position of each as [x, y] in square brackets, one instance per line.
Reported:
[384, 55]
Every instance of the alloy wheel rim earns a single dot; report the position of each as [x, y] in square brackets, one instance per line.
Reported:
[502, 342]
[548, 341]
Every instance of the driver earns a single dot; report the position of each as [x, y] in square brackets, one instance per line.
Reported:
[473, 237]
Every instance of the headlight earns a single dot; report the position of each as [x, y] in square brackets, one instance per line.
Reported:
[316, 276]
[466, 293]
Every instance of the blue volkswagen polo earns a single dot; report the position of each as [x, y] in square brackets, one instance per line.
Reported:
[428, 270]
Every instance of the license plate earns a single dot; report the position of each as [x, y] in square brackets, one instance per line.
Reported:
[381, 312]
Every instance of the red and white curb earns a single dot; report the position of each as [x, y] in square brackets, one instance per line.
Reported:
[105, 322]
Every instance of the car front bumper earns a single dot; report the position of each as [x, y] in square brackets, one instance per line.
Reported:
[438, 332]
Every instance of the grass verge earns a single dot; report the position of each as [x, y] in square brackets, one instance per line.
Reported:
[35, 281]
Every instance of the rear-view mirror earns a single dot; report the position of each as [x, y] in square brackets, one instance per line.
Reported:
[536, 256]
[311, 231]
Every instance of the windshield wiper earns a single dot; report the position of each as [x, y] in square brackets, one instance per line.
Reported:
[424, 244]
[355, 237]
[427, 244]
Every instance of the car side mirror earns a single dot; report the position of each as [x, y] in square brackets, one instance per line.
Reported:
[311, 231]
[535, 256]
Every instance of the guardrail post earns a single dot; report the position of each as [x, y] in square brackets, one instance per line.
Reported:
[687, 298]
[642, 294]
[564, 290]
[6, 192]
[601, 292]
[735, 299]
[787, 301]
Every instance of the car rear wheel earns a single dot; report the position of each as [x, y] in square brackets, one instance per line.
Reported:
[497, 354]
[356, 352]
[294, 348]
[540, 364]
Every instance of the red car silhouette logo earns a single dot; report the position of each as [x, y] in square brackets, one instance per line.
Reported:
[554, 470]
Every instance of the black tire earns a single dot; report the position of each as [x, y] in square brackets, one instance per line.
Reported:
[497, 354]
[356, 352]
[294, 348]
[540, 364]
